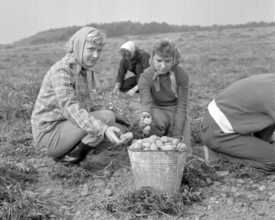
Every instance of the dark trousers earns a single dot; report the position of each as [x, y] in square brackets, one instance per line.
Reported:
[132, 81]
[254, 149]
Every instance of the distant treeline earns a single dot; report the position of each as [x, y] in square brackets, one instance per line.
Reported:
[116, 29]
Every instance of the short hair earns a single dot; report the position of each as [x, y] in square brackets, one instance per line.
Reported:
[96, 37]
[164, 48]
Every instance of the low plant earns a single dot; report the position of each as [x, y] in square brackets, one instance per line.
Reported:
[146, 202]
[18, 203]
[241, 171]
[71, 175]
[197, 172]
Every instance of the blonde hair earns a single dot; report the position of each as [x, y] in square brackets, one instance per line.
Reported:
[96, 37]
[164, 48]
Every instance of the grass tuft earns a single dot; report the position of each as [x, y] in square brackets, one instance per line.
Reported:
[18, 203]
[146, 202]
[71, 175]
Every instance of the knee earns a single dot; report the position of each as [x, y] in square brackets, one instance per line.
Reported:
[54, 153]
[158, 129]
[121, 127]
[161, 125]
[109, 117]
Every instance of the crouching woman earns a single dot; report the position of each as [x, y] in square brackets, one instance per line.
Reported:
[61, 119]
[134, 60]
[164, 93]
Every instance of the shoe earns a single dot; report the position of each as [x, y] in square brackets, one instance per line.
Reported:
[77, 154]
[210, 155]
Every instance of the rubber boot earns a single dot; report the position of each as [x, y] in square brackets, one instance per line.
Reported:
[77, 154]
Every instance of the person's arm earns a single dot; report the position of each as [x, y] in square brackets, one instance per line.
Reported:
[122, 70]
[117, 87]
[63, 86]
[145, 60]
[181, 109]
[144, 85]
[144, 63]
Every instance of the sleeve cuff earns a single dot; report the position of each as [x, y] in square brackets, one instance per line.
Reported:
[144, 113]
[101, 131]
[148, 110]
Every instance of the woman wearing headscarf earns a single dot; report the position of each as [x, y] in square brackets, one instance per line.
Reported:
[134, 60]
[61, 119]
[163, 91]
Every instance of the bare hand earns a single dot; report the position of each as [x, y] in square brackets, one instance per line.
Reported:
[145, 120]
[116, 90]
[131, 92]
[113, 133]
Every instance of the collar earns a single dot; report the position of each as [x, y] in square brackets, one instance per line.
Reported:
[74, 64]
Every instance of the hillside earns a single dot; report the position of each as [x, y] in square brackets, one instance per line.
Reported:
[116, 29]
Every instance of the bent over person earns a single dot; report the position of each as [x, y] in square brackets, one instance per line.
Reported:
[239, 123]
[164, 93]
[134, 60]
[61, 119]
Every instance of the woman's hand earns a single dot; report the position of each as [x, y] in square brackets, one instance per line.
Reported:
[145, 122]
[113, 133]
[145, 119]
[115, 90]
[132, 91]
[117, 87]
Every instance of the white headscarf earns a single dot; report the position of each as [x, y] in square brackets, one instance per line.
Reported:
[129, 45]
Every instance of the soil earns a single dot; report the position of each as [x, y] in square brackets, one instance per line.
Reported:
[230, 198]
[110, 175]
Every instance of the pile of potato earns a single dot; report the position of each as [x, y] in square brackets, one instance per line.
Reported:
[154, 143]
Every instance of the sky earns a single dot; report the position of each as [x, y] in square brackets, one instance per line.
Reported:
[23, 18]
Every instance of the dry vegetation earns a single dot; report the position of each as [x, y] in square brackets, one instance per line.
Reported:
[33, 187]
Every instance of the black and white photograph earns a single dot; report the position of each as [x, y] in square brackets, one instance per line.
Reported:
[137, 110]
